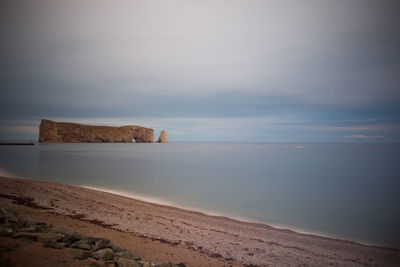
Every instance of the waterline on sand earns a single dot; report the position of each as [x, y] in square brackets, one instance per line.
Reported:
[163, 202]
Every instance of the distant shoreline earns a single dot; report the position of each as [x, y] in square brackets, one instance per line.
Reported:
[215, 236]
[17, 143]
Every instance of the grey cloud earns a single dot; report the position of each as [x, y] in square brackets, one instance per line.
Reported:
[316, 60]
[366, 137]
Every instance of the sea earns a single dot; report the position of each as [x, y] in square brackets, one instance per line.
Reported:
[347, 191]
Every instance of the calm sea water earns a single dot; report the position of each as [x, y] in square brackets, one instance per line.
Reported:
[350, 191]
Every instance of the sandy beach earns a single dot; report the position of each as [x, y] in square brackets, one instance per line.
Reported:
[164, 233]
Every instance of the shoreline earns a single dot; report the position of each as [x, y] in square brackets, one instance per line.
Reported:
[161, 202]
[158, 201]
[216, 237]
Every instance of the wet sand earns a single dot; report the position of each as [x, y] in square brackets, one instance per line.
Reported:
[164, 233]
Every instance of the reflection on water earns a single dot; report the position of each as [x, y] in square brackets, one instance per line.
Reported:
[342, 190]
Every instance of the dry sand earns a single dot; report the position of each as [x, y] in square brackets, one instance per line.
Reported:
[164, 233]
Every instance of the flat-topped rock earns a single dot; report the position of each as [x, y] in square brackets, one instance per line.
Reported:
[67, 132]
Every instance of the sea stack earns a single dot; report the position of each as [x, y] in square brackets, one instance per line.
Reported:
[163, 137]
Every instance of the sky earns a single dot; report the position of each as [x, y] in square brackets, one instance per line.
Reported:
[235, 71]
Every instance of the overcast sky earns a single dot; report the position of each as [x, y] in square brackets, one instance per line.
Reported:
[295, 71]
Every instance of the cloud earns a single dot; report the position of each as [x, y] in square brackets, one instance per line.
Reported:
[366, 137]
[203, 70]
[296, 147]
[375, 127]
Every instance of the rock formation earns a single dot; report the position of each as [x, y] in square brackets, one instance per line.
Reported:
[66, 132]
[92, 251]
[163, 137]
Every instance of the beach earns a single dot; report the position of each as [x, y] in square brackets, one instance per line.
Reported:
[164, 233]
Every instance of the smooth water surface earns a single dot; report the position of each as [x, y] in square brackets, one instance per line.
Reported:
[349, 191]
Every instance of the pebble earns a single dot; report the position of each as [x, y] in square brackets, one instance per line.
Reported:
[100, 251]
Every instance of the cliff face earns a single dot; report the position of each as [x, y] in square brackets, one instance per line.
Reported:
[66, 132]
